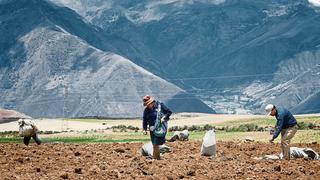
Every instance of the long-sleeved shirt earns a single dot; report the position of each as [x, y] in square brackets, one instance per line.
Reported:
[284, 120]
[150, 115]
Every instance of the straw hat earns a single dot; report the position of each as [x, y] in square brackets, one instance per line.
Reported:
[147, 100]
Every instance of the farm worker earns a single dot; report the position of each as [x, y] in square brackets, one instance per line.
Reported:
[150, 116]
[286, 124]
[28, 129]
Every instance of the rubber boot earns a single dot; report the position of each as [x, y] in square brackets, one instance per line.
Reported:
[36, 139]
[156, 152]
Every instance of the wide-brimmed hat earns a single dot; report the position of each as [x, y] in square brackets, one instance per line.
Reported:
[268, 109]
[147, 100]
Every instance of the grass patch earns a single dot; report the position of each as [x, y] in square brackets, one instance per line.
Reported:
[10, 140]
[268, 121]
[259, 121]
[302, 136]
[75, 140]
[91, 140]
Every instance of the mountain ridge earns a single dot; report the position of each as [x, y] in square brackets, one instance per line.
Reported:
[51, 71]
[236, 44]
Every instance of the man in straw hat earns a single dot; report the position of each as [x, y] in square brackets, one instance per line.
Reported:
[149, 120]
[286, 124]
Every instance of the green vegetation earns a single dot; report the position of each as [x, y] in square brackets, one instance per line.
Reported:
[309, 131]
[302, 136]
[269, 121]
[191, 128]
[86, 139]
[240, 127]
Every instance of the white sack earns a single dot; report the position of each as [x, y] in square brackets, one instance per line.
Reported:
[208, 147]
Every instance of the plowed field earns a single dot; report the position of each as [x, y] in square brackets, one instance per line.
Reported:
[123, 161]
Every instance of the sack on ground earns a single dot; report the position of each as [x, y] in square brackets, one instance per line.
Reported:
[26, 130]
[180, 135]
[208, 147]
[147, 149]
[296, 152]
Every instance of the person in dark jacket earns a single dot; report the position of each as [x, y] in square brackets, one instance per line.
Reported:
[286, 125]
[149, 120]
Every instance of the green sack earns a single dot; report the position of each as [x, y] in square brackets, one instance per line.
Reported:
[160, 129]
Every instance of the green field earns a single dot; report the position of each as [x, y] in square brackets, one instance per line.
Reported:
[270, 121]
[304, 135]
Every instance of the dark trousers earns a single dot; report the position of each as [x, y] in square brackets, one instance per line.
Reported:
[157, 140]
[26, 140]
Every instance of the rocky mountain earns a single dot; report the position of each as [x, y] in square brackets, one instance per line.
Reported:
[294, 85]
[54, 63]
[236, 55]
[309, 105]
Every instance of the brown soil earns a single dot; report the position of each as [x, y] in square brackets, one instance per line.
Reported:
[123, 161]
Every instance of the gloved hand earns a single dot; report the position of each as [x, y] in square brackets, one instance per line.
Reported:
[144, 132]
[162, 120]
[271, 141]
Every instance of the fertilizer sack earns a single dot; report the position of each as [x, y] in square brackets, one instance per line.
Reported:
[180, 135]
[208, 147]
[147, 149]
[26, 131]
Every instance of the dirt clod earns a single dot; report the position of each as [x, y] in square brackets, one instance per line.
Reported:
[277, 168]
[191, 173]
[20, 160]
[78, 170]
[119, 150]
[94, 169]
[169, 178]
[64, 176]
[38, 169]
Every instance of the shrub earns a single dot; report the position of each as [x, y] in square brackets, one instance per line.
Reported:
[123, 130]
[252, 127]
[312, 126]
[173, 128]
[207, 127]
[193, 128]
[242, 128]
[260, 129]
[184, 128]
[302, 125]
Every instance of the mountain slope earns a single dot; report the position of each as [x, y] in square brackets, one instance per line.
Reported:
[218, 49]
[310, 105]
[50, 67]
